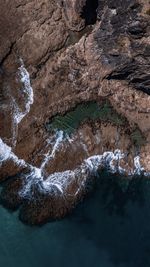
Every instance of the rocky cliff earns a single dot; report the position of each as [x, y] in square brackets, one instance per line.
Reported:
[74, 98]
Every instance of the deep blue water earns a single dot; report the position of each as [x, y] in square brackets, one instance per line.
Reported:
[111, 228]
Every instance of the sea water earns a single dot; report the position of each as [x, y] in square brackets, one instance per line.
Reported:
[109, 229]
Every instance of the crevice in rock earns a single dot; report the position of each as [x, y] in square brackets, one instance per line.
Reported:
[136, 76]
[89, 12]
[7, 54]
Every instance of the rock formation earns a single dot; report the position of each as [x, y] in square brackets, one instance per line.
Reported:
[54, 56]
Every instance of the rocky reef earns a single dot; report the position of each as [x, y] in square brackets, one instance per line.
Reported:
[74, 99]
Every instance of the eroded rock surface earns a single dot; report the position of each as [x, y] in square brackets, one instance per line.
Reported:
[55, 55]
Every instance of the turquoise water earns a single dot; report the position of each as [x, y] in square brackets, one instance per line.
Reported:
[111, 228]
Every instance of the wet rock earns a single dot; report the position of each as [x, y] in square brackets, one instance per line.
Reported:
[9, 196]
[55, 207]
[56, 204]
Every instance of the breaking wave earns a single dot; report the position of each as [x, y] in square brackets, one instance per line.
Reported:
[58, 180]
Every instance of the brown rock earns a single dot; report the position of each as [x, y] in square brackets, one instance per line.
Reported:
[74, 53]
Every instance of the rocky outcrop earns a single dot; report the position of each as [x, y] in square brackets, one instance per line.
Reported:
[55, 55]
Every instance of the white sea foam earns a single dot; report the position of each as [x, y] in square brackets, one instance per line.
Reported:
[27, 90]
[6, 153]
[138, 168]
[37, 174]
[27, 95]
[108, 159]
[51, 154]
[33, 177]
[61, 180]
[93, 162]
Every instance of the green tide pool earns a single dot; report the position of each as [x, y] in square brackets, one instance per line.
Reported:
[83, 112]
